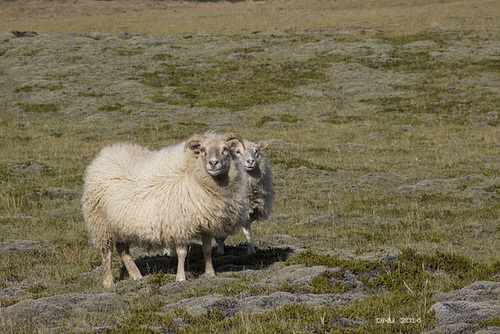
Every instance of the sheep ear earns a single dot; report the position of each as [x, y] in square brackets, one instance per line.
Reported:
[230, 137]
[261, 146]
[193, 146]
[233, 144]
[194, 143]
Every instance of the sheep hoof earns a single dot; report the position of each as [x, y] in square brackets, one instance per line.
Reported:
[137, 277]
[108, 284]
[180, 279]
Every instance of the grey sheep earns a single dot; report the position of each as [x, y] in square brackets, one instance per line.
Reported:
[259, 188]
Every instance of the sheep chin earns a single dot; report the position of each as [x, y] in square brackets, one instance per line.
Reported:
[214, 172]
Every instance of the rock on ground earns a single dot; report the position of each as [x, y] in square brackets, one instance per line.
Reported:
[57, 310]
[466, 310]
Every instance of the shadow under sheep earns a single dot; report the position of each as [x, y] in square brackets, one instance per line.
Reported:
[235, 259]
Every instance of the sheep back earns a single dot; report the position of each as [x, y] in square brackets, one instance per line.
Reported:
[259, 186]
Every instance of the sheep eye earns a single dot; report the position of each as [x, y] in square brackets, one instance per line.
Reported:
[225, 150]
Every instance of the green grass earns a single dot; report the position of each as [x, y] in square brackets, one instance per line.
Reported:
[368, 152]
[40, 108]
[408, 286]
[233, 84]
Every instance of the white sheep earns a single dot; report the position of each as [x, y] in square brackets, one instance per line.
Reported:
[163, 199]
[259, 187]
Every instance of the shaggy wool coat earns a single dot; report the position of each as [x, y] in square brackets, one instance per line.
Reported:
[159, 199]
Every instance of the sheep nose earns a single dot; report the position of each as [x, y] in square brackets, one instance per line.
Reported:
[250, 161]
[213, 162]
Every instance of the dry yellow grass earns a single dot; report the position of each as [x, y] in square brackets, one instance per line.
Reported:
[393, 17]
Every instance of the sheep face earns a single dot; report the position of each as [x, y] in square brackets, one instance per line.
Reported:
[214, 153]
[251, 154]
[215, 156]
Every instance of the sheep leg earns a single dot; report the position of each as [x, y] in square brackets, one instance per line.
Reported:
[181, 259]
[124, 252]
[220, 245]
[167, 251]
[206, 240]
[247, 231]
[108, 280]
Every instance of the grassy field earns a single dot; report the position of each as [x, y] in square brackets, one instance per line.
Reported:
[393, 17]
[382, 119]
